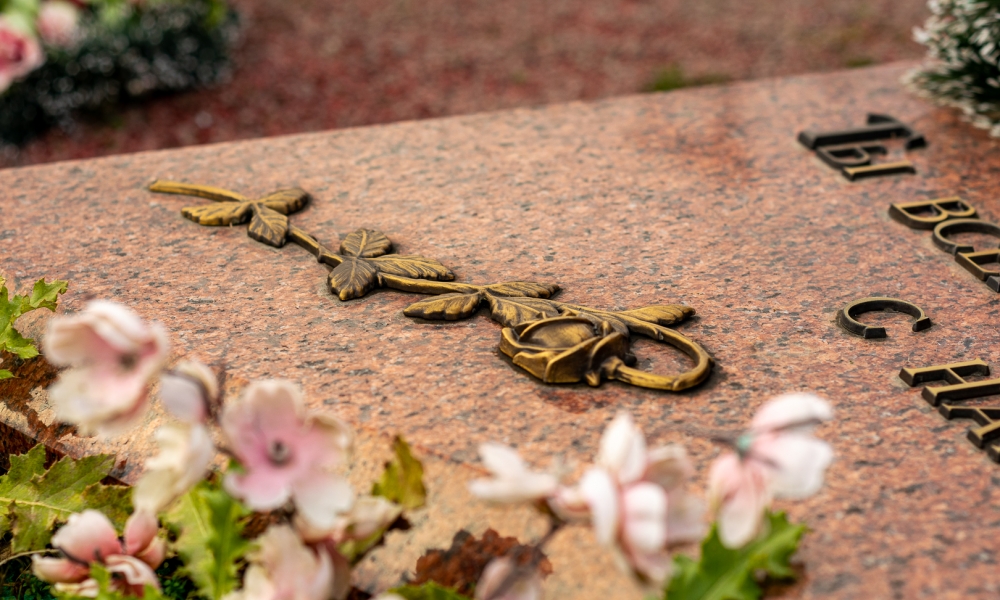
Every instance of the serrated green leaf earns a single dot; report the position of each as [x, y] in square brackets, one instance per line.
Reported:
[5, 374]
[33, 500]
[727, 574]
[403, 480]
[13, 342]
[427, 591]
[209, 527]
[46, 295]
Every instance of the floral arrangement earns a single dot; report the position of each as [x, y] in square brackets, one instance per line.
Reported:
[247, 500]
[62, 56]
[963, 66]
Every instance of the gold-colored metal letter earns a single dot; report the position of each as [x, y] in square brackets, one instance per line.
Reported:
[942, 209]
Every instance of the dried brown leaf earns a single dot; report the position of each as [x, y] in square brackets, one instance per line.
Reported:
[416, 267]
[365, 243]
[223, 213]
[447, 307]
[268, 226]
[353, 278]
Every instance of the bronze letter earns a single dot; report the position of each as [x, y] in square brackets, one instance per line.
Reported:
[850, 150]
[943, 209]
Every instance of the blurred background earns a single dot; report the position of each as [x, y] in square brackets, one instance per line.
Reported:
[311, 65]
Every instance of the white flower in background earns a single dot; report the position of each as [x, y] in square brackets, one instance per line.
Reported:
[188, 390]
[776, 457]
[635, 499]
[287, 454]
[512, 480]
[528, 587]
[367, 516]
[20, 52]
[186, 453]
[114, 356]
[58, 23]
[283, 568]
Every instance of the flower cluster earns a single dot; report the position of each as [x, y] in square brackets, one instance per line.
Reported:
[636, 498]
[25, 27]
[963, 60]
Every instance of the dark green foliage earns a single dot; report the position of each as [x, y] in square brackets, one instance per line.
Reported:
[17, 582]
[428, 591]
[126, 54]
[673, 78]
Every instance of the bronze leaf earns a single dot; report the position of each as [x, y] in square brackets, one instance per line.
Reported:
[417, 267]
[447, 307]
[353, 278]
[511, 312]
[225, 213]
[286, 201]
[529, 289]
[660, 314]
[365, 243]
[268, 226]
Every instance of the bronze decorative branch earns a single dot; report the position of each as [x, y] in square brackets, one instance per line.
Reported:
[554, 341]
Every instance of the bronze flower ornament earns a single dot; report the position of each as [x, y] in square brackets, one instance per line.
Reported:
[554, 341]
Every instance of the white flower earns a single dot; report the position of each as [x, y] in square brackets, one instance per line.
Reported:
[186, 452]
[188, 390]
[283, 568]
[114, 355]
[512, 480]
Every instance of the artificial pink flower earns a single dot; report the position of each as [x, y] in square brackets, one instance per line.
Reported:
[635, 499]
[189, 390]
[89, 537]
[776, 457]
[283, 568]
[58, 23]
[186, 453]
[367, 516]
[512, 480]
[20, 52]
[114, 355]
[496, 572]
[287, 454]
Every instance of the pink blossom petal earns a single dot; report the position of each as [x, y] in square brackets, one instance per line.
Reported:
[514, 482]
[295, 570]
[136, 573]
[654, 566]
[140, 529]
[321, 497]
[87, 537]
[644, 518]
[260, 490]
[154, 554]
[801, 462]
[739, 489]
[186, 452]
[58, 570]
[371, 514]
[601, 493]
[88, 588]
[496, 572]
[188, 390]
[623, 449]
[668, 466]
[328, 442]
[501, 460]
[791, 409]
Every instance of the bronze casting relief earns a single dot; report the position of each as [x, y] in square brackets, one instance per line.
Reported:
[554, 341]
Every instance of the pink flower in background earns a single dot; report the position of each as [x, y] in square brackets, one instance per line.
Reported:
[776, 457]
[58, 23]
[20, 52]
[114, 355]
[635, 499]
[89, 537]
[189, 390]
[283, 568]
[287, 454]
[512, 480]
[186, 453]
[496, 572]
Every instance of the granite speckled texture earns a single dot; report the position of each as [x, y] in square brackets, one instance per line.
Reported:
[700, 196]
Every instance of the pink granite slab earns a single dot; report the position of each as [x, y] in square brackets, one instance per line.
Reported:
[701, 197]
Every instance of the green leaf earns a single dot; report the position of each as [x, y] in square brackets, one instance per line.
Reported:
[5, 374]
[427, 591]
[727, 574]
[13, 342]
[33, 500]
[402, 481]
[209, 528]
[46, 295]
